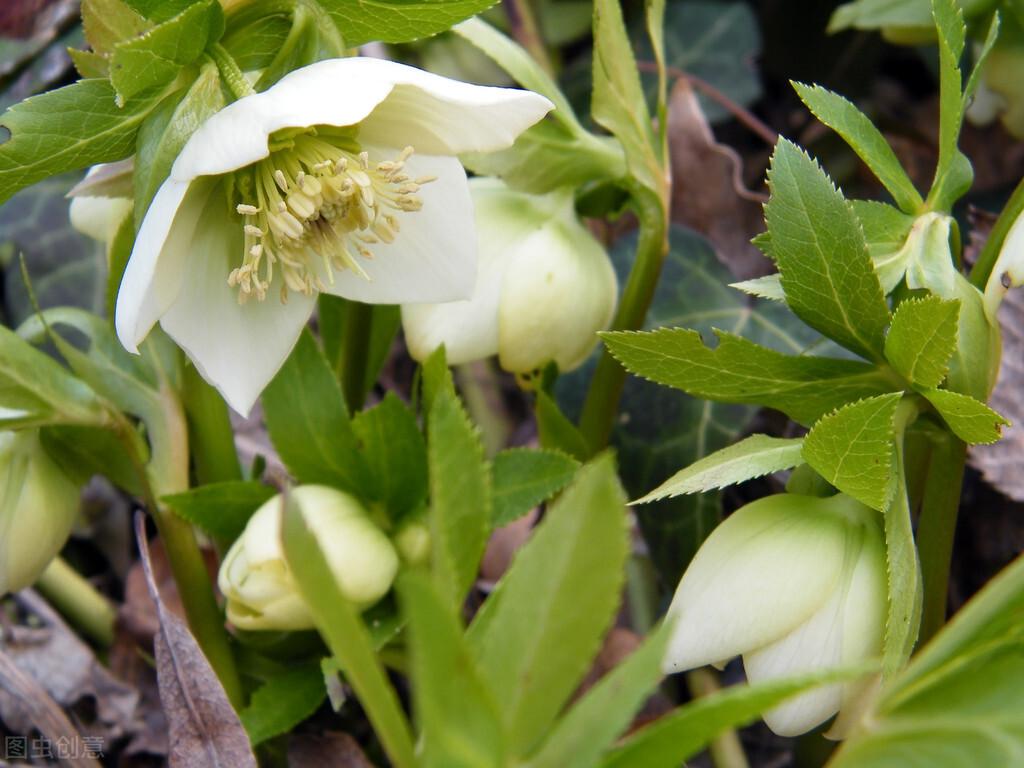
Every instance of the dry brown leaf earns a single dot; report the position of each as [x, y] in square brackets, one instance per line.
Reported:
[502, 547]
[204, 729]
[1002, 463]
[327, 750]
[708, 193]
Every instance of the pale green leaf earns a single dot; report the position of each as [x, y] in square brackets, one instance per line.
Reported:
[398, 21]
[590, 727]
[457, 716]
[160, 10]
[766, 287]
[922, 339]
[460, 498]
[886, 229]
[819, 246]
[754, 456]
[283, 701]
[523, 478]
[536, 636]
[852, 449]
[108, 22]
[557, 433]
[971, 420]
[865, 139]
[953, 175]
[903, 570]
[156, 57]
[739, 371]
[67, 129]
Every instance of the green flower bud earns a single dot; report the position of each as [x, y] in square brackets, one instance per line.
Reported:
[37, 509]
[413, 542]
[794, 584]
[259, 587]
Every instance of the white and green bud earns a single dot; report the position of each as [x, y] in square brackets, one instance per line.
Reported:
[544, 289]
[98, 216]
[257, 583]
[794, 584]
[38, 507]
[413, 542]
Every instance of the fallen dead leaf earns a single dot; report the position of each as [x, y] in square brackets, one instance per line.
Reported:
[204, 730]
[502, 547]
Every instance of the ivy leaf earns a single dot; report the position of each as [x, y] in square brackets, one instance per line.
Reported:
[156, 57]
[220, 509]
[819, 245]
[739, 371]
[865, 139]
[398, 21]
[922, 339]
[971, 420]
[852, 449]
[536, 636]
[460, 498]
[66, 129]
[751, 457]
[523, 478]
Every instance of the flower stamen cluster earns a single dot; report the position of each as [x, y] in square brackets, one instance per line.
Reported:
[311, 207]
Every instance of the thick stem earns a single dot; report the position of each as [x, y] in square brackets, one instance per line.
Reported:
[936, 527]
[726, 749]
[209, 430]
[78, 601]
[601, 404]
[232, 75]
[355, 353]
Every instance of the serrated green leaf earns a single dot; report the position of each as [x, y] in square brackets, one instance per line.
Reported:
[876, 14]
[590, 727]
[396, 456]
[819, 246]
[538, 633]
[283, 701]
[922, 339]
[308, 421]
[160, 10]
[954, 174]
[676, 737]
[739, 371]
[460, 497]
[766, 287]
[220, 509]
[156, 57]
[522, 478]
[865, 139]
[398, 21]
[903, 571]
[557, 432]
[754, 456]
[886, 229]
[980, 58]
[253, 46]
[957, 703]
[67, 129]
[458, 717]
[435, 379]
[852, 449]
[971, 420]
[347, 637]
[108, 22]
[163, 134]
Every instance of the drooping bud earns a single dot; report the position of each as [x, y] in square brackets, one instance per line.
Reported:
[544, 289]
[38, 507]
[254, 577]
[794, 584]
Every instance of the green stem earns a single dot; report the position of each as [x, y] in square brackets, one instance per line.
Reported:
[526, 31]
[355, 353]
[994, 244]
[936, 527]
[78, 601]
[726, 749]
[602, 401]
[209, 429]
[230, 72]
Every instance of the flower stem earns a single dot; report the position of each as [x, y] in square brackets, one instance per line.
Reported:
[726, 749]
[936, 527]
[526, 31]
[355, 353]
[230, 72]
[78, 601]
[601, 404]
[209, 429]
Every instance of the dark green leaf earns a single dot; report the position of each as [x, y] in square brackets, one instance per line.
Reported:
[283, 701]
[557, 433]
[398, 21]
[85, 451]
[220, 509]
[523, 478]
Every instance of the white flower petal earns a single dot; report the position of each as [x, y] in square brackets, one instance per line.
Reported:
[157, 265]
[764, 571]
[434, 256]
[236, 347]
[98, 217]
[442, 116]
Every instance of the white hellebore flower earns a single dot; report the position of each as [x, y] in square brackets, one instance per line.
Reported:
[544, 289]
[795, 584]
[38, 507]
[257, 583]
[313, 185]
